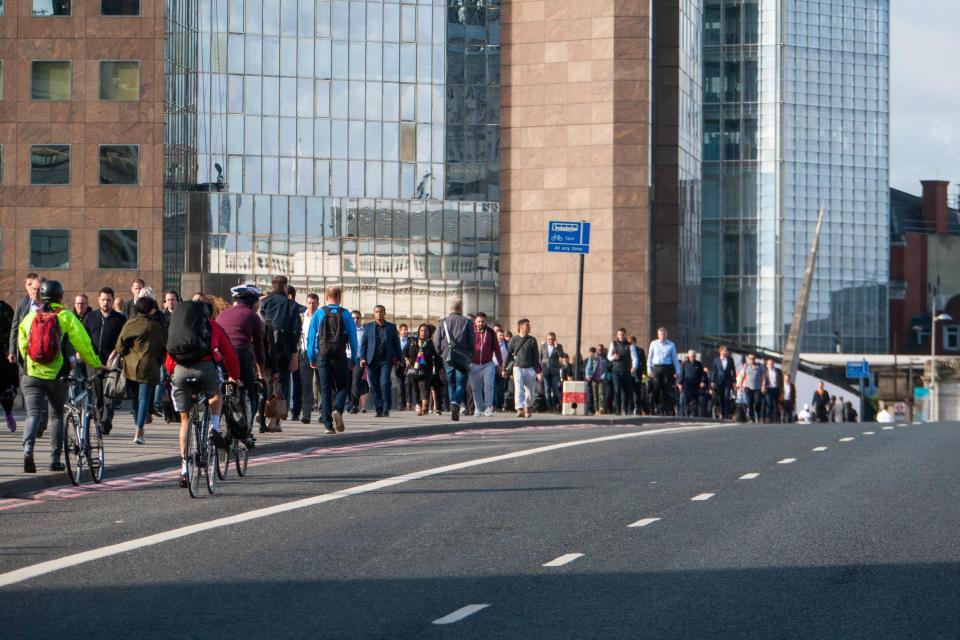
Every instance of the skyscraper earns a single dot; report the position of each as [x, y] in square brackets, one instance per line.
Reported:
[796, 115]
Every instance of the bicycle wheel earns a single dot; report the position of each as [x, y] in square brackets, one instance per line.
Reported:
[72, 454]
[240, 455]
[194, 465]
[223, 461]
[211, 454]
[94, 453]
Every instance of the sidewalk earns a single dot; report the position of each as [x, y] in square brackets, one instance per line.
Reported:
[160, 451]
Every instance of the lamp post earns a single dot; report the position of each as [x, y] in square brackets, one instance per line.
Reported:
[934, 396]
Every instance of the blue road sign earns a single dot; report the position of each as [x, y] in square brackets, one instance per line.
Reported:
[858, 370]
[568, 237]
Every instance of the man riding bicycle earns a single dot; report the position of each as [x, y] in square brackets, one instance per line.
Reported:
[42, 336]
[245, 330]
[196, 345]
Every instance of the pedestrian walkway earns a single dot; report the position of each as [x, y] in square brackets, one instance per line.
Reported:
[123, 456]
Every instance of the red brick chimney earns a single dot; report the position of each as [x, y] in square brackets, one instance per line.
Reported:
[935, 204]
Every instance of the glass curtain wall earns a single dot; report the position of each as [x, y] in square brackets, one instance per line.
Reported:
[767, 169]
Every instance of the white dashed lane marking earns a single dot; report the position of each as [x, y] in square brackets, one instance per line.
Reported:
[888, 428]
[818, 449]
[847, 439]
[787, 461]
[702, 497]
[749, 476]
[643, 523]
[868, 433]
[460, 614]
[566, 558]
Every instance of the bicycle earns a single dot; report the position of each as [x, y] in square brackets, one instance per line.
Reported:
[236, 446]
[202, 458]
[80, 443]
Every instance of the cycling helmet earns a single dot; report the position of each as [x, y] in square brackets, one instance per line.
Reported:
[51, 291]
[245, 292]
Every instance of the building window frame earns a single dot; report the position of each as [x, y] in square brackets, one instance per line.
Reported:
[100, 181]
[100, 238]
[37, 265]
[122, 15]
[951, 338]
[100, 84]
[33, 63]
[69, 162]
[34, 14]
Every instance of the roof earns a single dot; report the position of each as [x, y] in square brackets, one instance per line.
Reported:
[906, 216]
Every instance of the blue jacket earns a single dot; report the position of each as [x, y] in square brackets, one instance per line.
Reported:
[349, 327]
[368, 343]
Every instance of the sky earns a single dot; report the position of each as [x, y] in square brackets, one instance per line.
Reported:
[924, 92]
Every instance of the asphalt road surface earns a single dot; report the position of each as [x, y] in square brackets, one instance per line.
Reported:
[740, 531]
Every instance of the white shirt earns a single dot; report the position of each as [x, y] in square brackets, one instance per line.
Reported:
[305, 322]
[786, 392]
[550, 350]
[884, 416]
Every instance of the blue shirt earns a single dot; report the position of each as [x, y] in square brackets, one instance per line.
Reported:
[663, 352]
[349, 328]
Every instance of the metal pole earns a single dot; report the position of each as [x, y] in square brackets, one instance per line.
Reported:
[896, 394]
[576, 366]
[934, 408]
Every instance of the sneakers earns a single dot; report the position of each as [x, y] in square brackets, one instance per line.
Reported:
[488, 412]
[454, 412]
[337, 421]
[56, 465]
[138, 439]
[28, 464]
[11, 423]
[305, 420]
[330, 430]
[478, 414]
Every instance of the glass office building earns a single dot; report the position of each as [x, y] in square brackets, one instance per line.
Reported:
[795, 116]
[348, 142]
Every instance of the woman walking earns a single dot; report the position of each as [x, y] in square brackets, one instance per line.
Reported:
[142, 345]
[9, 375]
[422, 358]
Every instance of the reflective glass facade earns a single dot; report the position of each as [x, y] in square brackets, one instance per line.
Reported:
[795, 115]
[341, 108]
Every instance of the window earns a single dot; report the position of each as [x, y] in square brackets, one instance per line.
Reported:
[120, 80]
[117, 248]
[119, 7]
[49, 249]
[408, 142]
[51, 7]
[50, 164]
[951, 338]
[119, 164]
[50, 80]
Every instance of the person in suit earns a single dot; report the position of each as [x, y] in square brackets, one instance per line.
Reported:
[379, 354]
[723, 376]
[691, 384]
[772, 383]
[550, 353]
[30, 302]
[788, 398]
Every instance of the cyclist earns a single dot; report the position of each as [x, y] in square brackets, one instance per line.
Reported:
[41, 337]
[196, 345]
[245, 330]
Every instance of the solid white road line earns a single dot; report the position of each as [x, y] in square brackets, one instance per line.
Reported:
[643, 523]
[819, 449]
[847, 439]
[749, 476]
[566, 558]
[787, 461]
[888, 428]
[42, 568]
[702, 497]
[460, 614]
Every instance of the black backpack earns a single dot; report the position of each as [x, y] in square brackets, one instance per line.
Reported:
[189, 338]
[332, 339]
[280, 338]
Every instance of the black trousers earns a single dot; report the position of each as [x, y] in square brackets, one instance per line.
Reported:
[664, 380]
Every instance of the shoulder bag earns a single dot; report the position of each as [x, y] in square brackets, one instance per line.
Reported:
[457, 355]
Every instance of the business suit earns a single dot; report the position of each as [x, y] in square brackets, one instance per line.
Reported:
[723, 376]
[788, 405]
[550, 367]
[380, 355]
[23, 308]
[771, 394]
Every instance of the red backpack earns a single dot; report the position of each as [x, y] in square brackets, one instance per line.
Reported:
[43, 342]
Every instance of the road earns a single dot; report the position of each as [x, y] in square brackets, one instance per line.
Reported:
[857, 539]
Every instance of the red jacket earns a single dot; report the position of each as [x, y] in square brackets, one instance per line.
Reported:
[222, 353]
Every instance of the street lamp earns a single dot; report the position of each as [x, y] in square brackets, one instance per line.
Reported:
[934, 396]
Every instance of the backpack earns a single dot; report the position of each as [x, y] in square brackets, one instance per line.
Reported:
[43, 341]
[331, 339]
[278, 325]
[190, 337]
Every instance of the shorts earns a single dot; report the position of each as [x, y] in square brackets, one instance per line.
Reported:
[208, 382]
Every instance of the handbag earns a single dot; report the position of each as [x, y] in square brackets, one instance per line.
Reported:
[457, 355]
[115, 382]
[275, 407]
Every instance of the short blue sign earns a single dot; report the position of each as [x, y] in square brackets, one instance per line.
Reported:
[858, 370]
[568, 237]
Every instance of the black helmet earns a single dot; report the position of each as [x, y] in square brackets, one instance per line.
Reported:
[51, 291]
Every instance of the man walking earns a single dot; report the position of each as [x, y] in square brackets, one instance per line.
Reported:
[308, 375]
[692, 383]
[30, 302]
[331, 332]
[283, 334]
[723, 377]
[788, 398]
[664, 367]
[550, 354]
[751, 383]
[136, 290]
[523, 355]
[485, 365]
[622, 366]
[355, 399]
[772, 382]
[379, 354]
[103, 326]
[455, 342]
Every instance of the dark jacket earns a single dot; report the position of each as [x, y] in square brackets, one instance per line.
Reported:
[142, 343]
[20, 312]
[551, 364]
[778, 378]
[432, 363]
[103, 331]
[523, 352]
[819, 405]
[691, 374]
[282, 313]
[368, 343]
[455, 328]
[721, 376]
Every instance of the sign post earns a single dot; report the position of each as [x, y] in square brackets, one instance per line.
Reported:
[571, 237]
[859, 371]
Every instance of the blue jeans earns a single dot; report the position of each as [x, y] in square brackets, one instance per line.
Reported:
[142, 401]
[334, 378]
[456, 385]
[380, 385]
[551, 388]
